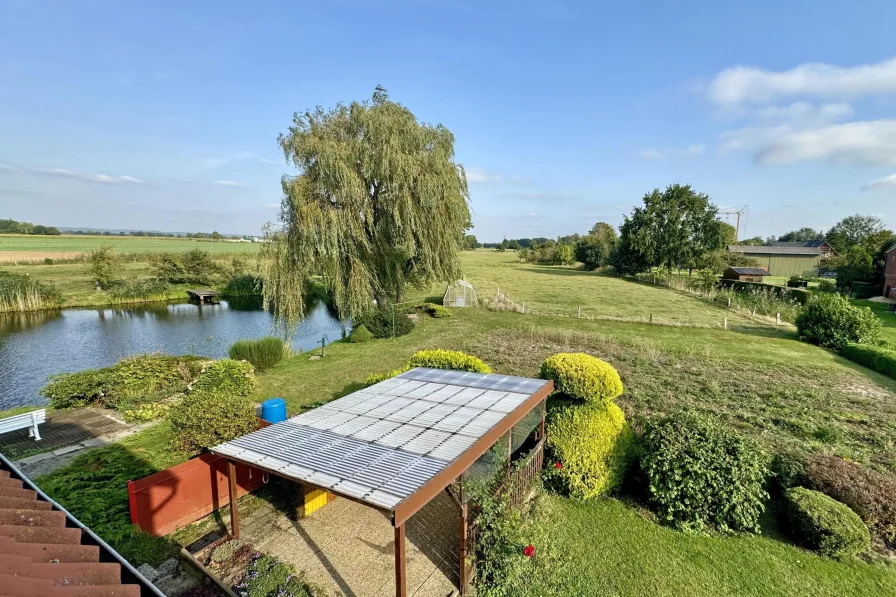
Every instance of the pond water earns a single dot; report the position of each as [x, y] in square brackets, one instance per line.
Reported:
[34, 346]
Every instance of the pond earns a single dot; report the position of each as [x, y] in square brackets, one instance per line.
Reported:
[35, 345]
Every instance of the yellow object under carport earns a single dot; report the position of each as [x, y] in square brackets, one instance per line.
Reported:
[315, 499]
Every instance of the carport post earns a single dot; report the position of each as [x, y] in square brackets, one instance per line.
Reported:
[401, 583]
[234, 510]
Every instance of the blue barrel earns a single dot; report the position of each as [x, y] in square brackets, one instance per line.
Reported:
[273, 410]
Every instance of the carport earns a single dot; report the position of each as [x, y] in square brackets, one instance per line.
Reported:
[398, 444]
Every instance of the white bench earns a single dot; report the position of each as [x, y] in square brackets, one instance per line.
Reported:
[31, 419]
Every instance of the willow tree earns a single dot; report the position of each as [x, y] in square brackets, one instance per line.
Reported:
[378, 204]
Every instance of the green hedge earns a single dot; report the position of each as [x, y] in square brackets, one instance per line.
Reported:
[361, 334]
[582, 376]
[882, 360]
[589, 449]
[701, 474]
[206, 419]
[825, 525]
[226, 377]
[831, 321]
[434, 310]
[800, 295]
[448, 359]
[386, 322]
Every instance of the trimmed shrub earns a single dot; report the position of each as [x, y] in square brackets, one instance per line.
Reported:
[876, 358]
[263, 353]
[825, 525]
[226, 377]
[799, 295]
[208, 418]
[385, 322]
[361, 334]
[583, 376]
[448, 359]
[589, 449]
[786, 471]
[137, 376]
[378, 377]
[870, 494]
[434, 310]
[832, 322]
[701, 474]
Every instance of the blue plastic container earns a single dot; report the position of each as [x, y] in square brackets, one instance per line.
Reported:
[273, 410]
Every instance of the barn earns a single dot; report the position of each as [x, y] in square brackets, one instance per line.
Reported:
[784, 260]
[744, 274]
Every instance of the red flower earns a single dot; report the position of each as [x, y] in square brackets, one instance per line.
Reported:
[529, 551]
[558, 466]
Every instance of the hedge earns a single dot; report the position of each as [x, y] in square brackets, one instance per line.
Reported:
[831, 321]
[386, 322]
[448, 359]
[877, 358]
[583, 377]
[360, 334]
[589, 449]
[825, 525]
[800, 295]
[226, 377]
[206, 419]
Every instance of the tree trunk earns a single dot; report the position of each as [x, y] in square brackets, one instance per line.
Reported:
[398, 294]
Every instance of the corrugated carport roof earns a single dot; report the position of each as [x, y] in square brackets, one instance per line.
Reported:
[406, 437]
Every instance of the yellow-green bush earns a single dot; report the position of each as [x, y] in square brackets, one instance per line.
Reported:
[378, 377]
[448, 359]
[589, 448]
[582, 376]
[361, 334]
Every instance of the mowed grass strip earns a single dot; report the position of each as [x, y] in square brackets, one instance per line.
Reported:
[561, 290]
[610, 550]
[33, 246]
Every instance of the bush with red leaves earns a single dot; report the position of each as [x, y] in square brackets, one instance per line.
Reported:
[872, 495]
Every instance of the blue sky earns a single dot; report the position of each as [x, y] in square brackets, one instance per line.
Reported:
[164, 115]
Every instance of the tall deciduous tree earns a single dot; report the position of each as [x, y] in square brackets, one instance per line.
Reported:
[674, 228]
[379, 203]
[802, 235]
[594, 249]
[852, 231]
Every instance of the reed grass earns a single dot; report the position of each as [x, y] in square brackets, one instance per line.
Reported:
[263, 353]
[20, 293]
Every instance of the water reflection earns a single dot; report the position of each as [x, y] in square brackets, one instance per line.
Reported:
[34, 346]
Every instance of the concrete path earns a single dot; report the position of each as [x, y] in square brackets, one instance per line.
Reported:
[349, 550]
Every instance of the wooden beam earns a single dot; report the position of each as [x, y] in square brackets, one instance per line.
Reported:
[463, 550]
[234, 508]
[401, 581]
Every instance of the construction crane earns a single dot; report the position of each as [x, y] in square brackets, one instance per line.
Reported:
[738, 211]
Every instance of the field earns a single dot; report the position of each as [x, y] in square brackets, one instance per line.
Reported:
[17, 248]
[786, 394]
[887, 318]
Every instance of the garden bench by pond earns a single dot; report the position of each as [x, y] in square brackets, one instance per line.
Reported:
[28, 421]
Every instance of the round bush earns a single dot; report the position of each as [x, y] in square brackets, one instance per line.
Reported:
[361, 334]
[825, 525]
[701, 474]
[832, 322]
[226, 377]
[206, 419]
[448, 359]
[386, 322]
[589, 448]
[263, 353]
[376, 378]
[582, 376]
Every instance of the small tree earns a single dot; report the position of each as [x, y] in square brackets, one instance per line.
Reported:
[104, 266]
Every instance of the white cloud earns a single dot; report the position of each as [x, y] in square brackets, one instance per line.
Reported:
[805, 114]
[217, 162]
[871, 143]
[886, 182]
[8, 168]
[744, 84]
[228, 183]
[100, 178]
[478, 175]
[661, 153]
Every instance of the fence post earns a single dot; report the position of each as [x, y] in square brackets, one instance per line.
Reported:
[580, 312]
[729, 302]
[779, 319]
[726, 323]
[651, 318]
[754, 311]
[524, 307]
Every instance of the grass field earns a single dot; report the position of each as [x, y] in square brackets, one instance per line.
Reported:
[887, 318]
[786, 394]
[33, 248]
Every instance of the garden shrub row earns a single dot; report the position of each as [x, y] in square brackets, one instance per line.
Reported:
[448, 359]
[825, 525]
[144, 376]
[263, 353]
[386, 322]
[877, 358]
[435, 311]
[799, 295]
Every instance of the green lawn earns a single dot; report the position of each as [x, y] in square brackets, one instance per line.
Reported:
[53, 246]
[561, 290]
[609, 549]
[887, 318]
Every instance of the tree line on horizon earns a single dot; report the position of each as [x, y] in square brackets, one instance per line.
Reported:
[14, 227]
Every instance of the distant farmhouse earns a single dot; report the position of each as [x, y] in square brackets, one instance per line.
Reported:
[787, 259]
[890, 274]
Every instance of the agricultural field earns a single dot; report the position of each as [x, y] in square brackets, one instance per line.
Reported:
[17, 248]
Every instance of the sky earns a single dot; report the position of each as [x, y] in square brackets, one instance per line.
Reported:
[164, 115]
